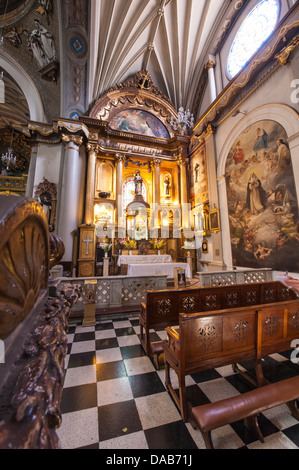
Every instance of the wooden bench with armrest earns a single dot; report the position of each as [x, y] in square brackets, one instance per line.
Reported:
[208, 340]
[245, 406]
[162, 307]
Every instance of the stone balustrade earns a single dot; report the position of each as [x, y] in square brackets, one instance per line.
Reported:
[239, 276]
[118, 291]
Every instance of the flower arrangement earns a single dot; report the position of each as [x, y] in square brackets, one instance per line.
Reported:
[106, 247]
[158, 243]
[128, 244]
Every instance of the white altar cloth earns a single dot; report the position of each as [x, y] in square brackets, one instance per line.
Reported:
[143, 259]
[151, 269]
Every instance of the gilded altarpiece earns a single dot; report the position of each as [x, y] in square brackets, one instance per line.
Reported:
[130, 127]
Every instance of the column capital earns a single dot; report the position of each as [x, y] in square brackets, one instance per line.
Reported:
[76, 139]
[92, 147]
[183, 162]
[157, 162]
[120, 158]
[210, 64]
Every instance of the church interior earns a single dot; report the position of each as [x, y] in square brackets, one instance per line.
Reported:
[149, 224]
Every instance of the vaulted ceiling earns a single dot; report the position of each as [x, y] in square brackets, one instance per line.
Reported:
[169, 38]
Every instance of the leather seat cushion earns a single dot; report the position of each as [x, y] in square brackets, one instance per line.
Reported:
[214, 415]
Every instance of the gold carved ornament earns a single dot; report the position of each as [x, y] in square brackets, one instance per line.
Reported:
[24, 259]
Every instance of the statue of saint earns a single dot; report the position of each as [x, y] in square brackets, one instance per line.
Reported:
[138, 184]
[46, 41]
[167, 186]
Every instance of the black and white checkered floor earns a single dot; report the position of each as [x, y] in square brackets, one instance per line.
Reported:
[113, 397]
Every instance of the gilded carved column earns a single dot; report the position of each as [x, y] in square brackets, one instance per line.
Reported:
[68, 218]
[120, 159]
[157, 164]
[183, 163]
[90, 185]
[156, 193]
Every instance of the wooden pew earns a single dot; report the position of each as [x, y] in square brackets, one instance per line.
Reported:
[245, 406]
[217, 338]
[162, 308]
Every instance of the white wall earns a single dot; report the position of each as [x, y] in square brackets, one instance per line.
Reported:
[47, 164]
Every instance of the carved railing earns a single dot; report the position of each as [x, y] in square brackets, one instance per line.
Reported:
[119, 291]
[33, 328]
[227, 278]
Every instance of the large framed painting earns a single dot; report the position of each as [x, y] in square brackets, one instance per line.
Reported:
[262, 199]
[139, 122]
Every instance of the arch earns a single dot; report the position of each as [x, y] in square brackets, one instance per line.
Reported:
[27, 86]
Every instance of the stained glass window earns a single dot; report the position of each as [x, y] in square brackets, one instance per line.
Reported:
[254, 31]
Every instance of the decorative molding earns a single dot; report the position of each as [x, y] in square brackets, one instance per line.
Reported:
[67, 139]
[24, 254]
[284, 55]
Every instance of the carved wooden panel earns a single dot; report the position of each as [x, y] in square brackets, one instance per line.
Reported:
[204, 338]
[164, 306]
[250, 294]
[209, 302]
[272, 324]
[31, 398]
[238, 331]
[188, 301]
[269, 295]
[24, 259]
[293, 321]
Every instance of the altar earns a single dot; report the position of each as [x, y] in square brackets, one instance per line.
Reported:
[143, 259]
[151, 269]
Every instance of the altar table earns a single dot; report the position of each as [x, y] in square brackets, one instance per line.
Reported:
[151, 269]
[143, 259]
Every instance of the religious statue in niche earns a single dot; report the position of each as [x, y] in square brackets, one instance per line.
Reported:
[167, 187]
[138, 183]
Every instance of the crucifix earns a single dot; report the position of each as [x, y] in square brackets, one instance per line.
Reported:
[87, 241]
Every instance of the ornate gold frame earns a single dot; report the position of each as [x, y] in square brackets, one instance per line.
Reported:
[214, 219]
